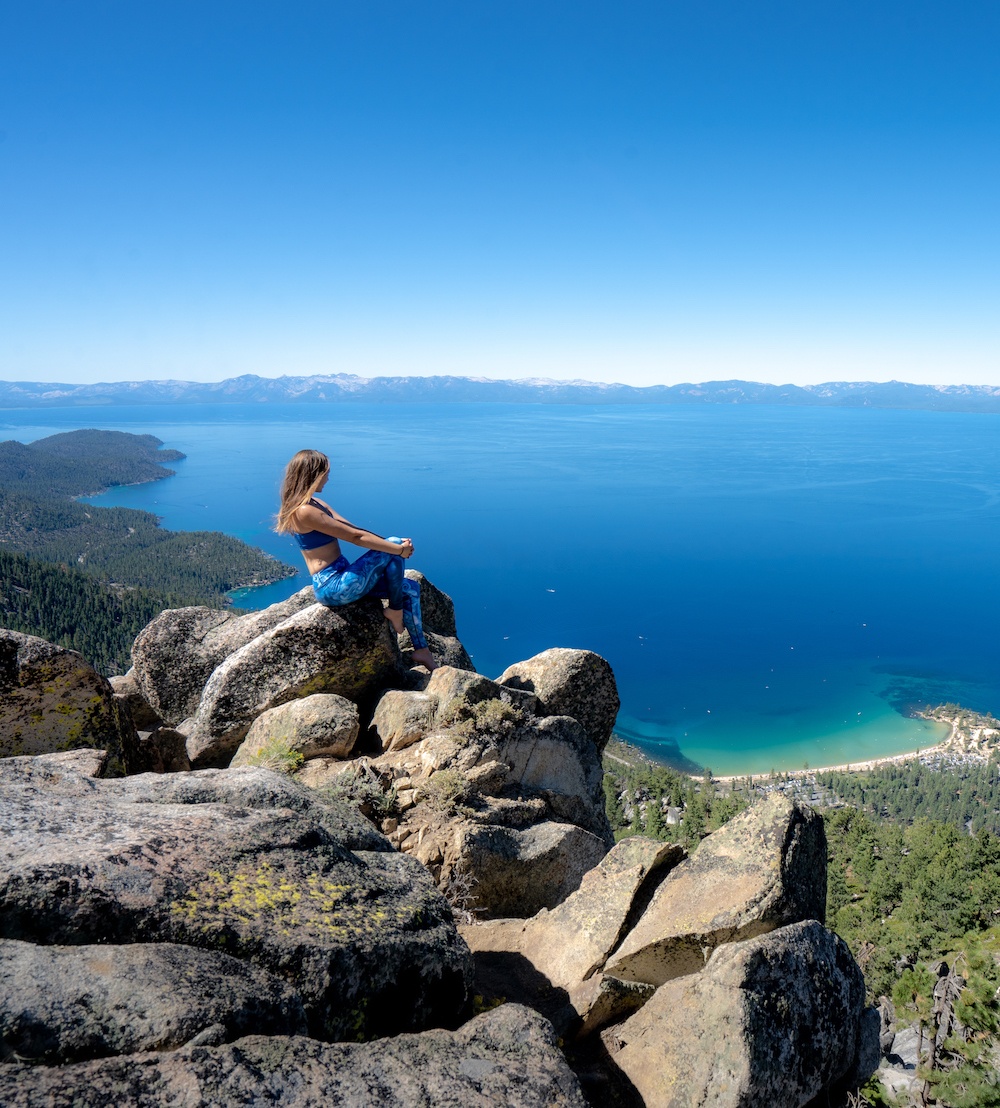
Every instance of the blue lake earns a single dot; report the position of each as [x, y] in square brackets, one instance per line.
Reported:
[771, 585]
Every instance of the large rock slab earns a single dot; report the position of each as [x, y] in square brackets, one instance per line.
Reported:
[71, 1003]
[766, 868]
[773, 1021]
[349, 651]
[52, 699]
[175, 654]
[573, 941]
[322, 724]
[577, 683]
[83, 763]
[554, 756]
[506, 1058]
[362, 935]
[518, 872]
[247, 787]
[553, 961]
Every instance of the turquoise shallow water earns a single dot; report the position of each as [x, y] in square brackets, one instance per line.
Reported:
[772, 586]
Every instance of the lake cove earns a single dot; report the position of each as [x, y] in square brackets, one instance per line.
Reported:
[773, 586]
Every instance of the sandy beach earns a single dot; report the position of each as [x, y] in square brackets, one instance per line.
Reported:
[941, 748]
[973, 737]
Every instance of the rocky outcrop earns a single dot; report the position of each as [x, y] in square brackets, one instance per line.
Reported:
[359, 933]
[784, 1014]
[211, 674]
[577, 683]
[321, 724]
[506, 1058]
[764, 869]
[71, 1003]
[201, 936]
[175, 654]
[741, 1030]
[51, 699]
[478, 788]
[554, 960]
[509, 804]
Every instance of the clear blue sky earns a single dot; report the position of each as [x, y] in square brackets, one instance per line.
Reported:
[642, 192]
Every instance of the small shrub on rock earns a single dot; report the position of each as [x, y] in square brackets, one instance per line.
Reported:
[489, 718]
[276, 754]
[445, 790]
[458, 890]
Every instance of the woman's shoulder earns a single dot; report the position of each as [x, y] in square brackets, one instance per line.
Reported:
[311, 507]
[297, 515]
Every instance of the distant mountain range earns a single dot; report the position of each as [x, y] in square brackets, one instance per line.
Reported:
[345, 387]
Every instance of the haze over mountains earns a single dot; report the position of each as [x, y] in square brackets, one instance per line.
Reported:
[444, 389]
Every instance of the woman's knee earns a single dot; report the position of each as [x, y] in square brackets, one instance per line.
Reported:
[394, 568]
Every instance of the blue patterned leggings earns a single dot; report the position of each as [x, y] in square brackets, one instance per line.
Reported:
[373, 574]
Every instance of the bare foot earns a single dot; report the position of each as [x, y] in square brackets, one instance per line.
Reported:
[395, 617]
[423, 657]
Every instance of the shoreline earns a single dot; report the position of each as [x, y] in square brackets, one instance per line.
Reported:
[973, 737]
[845, 767]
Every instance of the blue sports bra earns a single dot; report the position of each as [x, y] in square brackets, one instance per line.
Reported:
[310, 540]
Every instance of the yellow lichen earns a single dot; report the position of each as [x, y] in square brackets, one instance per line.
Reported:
[314, 904]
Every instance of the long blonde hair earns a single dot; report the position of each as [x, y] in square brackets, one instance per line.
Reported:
[302, 474]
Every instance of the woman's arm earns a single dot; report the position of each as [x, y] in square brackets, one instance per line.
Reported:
[310, 518]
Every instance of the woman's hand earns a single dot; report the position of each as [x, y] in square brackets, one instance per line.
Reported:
[406, 547]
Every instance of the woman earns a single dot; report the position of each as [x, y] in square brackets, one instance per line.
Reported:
[378, 572]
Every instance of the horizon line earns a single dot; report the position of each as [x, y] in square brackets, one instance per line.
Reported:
[482, 379]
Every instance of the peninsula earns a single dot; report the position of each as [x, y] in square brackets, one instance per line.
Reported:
[90, 578]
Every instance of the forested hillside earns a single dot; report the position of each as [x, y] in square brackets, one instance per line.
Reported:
[966, 794]
[79, 462]
[68, 607]
[914, 901]
[92, 577]
[127, 546]
[644, 798]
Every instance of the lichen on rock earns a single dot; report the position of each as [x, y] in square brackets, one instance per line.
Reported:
[51, 699]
